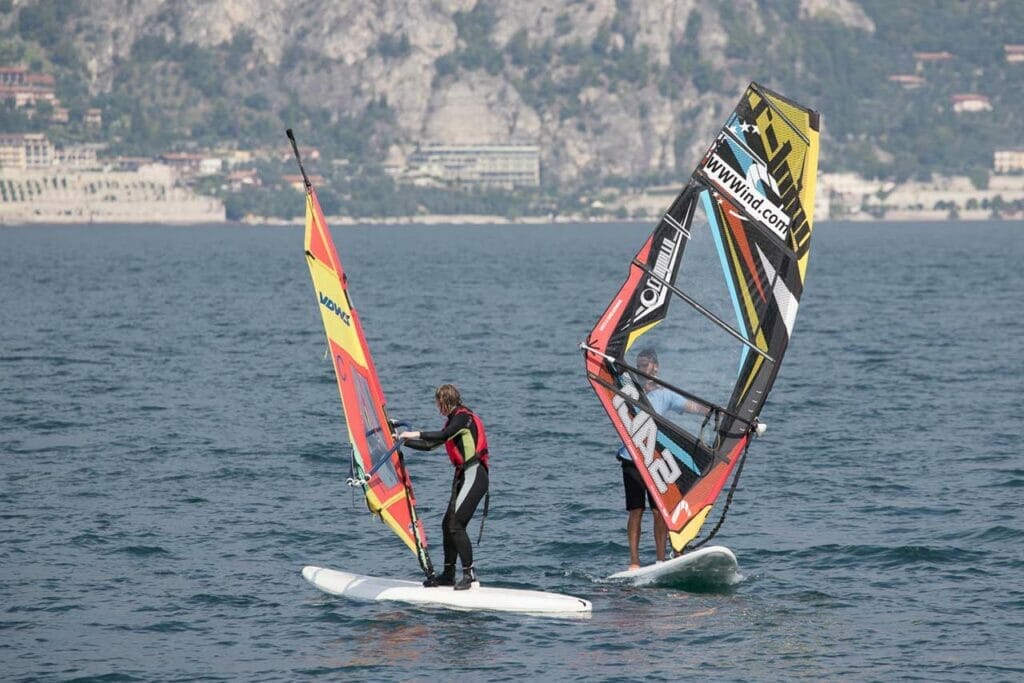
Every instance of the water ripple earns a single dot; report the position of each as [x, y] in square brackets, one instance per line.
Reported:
[171, 468]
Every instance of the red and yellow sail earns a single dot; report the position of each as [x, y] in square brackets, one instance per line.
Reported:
[388, 491]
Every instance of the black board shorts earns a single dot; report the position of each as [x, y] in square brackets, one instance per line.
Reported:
[636, 491]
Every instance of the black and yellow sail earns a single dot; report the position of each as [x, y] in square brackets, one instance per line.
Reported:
[752, 198]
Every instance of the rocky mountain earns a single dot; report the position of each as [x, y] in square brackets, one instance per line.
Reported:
[611, 90]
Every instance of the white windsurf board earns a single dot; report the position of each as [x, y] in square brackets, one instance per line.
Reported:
[372, 588]
[713, 564]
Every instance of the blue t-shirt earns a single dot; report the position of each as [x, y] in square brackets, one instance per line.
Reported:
[662, 401]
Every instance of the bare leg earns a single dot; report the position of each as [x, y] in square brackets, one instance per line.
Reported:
[660, 535]
[633, 532]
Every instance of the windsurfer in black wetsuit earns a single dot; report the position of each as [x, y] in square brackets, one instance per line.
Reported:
[464, 439]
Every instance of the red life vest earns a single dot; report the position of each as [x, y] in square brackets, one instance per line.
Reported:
[479, 440]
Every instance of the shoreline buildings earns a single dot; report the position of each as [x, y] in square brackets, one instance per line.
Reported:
[504, 167]
[43, 183]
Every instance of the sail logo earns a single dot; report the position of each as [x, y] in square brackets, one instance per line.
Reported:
[328, 303]
[743, 190]
[655, 290]
[643, 431]
[681, 507]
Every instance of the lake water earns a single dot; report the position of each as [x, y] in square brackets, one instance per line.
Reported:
[173, 453]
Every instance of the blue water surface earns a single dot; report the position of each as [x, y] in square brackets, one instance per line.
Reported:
[173, 452]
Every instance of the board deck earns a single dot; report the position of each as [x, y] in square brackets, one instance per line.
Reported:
[715, 563]
[372, 588]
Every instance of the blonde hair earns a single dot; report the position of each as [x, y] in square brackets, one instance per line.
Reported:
[448, 398]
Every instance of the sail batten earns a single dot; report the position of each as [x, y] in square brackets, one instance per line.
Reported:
[749, 205]
[703, 311]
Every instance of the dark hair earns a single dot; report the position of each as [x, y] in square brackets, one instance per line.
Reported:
[648, 354]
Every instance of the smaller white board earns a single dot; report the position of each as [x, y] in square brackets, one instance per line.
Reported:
[372, 588]
[715, 564]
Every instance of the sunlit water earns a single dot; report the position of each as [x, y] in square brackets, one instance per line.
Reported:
[173, 454]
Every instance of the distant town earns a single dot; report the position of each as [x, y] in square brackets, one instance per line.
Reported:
[42, 181]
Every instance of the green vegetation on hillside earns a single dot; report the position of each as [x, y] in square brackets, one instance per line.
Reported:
[171, 95]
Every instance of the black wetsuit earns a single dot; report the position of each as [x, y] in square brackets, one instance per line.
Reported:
[467, 449]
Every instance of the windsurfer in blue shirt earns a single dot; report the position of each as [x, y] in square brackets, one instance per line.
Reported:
[663, 402]
[466, 442]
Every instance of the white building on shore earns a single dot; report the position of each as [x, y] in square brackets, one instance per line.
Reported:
[498, 166]
[41, 183]
[1008, 160]
[26, 150]
[70, 195]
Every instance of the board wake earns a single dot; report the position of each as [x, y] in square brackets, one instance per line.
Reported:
[376, 589]
[714, 564]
